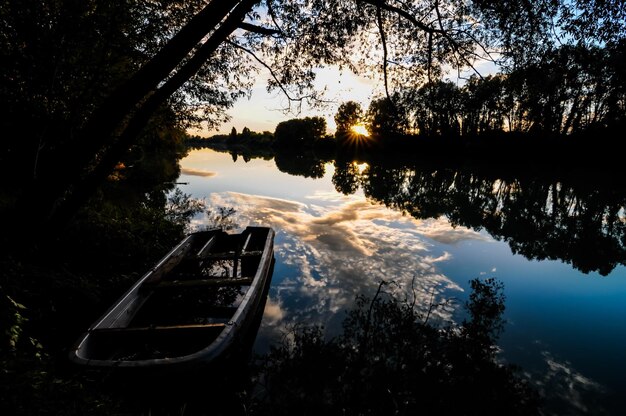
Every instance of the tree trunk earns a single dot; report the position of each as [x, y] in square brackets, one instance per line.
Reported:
[102, 124]
[82, 189]
[54, 198]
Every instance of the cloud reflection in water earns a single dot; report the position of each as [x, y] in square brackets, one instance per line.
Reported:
[198, 172]
[568, 391]
[327, 253]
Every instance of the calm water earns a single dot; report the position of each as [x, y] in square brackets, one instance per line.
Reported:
[434, 231]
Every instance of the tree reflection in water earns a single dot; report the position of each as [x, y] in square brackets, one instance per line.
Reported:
[299, 163]
[390, 360]
[541, 219]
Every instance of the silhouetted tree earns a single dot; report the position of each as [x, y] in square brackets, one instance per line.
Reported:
[76, 54]
[484, 106]
[346, 177]
[246, 133]
[299, 163]
[349, 114]
[300, 132]
[538, 219]
[387, 119]
[437, 109]
[572, 90]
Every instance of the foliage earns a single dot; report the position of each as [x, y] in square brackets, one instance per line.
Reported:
[389, 360]
[28, 380]
[485, 308]
[593, 22]
[61, 58]
[30, 388]
[246, 140]
[571, 91]
[385, 118]
[485, 106]
[222, 217]
[300, 132]
[49, 294]
[297, 162]
[346, 177]
[61, 61]
[181, 208]
[349, 114]
[437, 108]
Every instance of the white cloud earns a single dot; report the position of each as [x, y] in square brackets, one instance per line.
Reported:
[335, 252]
[273, 313]
[441, 231]
[198, 172]
[568, 389]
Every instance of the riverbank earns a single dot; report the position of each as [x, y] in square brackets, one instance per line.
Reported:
[503, 155]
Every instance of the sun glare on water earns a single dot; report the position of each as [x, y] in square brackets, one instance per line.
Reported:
[360, 129]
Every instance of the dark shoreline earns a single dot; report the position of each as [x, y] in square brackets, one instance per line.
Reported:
[502, 156]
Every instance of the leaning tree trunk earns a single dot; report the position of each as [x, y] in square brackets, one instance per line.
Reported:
[95, 174]
[107, 118]
[115, 126]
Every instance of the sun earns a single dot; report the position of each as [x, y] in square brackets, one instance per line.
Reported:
[360, 129]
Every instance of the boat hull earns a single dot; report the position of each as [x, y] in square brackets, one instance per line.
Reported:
[194, 308]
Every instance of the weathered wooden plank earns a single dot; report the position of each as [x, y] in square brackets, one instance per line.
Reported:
[155, 329]
[246, 243]
[204, 251]
[211, 281]
[232, 255]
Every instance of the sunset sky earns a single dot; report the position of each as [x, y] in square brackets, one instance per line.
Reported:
[263, 110]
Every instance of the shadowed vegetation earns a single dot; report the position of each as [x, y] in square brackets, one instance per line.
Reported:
[391, 360]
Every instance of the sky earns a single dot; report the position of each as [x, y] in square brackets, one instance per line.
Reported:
[264, 110]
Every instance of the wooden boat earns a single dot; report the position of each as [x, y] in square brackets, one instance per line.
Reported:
[191, 308]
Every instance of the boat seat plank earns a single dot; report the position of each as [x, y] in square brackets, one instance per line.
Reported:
[231, 255]
[212, 304]
[207, 247]
[156, 329]
[220, 281]
[246, 243]
[251, 253]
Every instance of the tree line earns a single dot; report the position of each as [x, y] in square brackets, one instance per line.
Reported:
[574, 91]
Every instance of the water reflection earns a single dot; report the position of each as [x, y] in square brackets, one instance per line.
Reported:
[329, 254]
[300, 163]
[577, 220]
[198, 172]
[399, 221]
[580, 394]
[540, 219]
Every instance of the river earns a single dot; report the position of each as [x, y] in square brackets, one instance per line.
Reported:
[341, 228]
